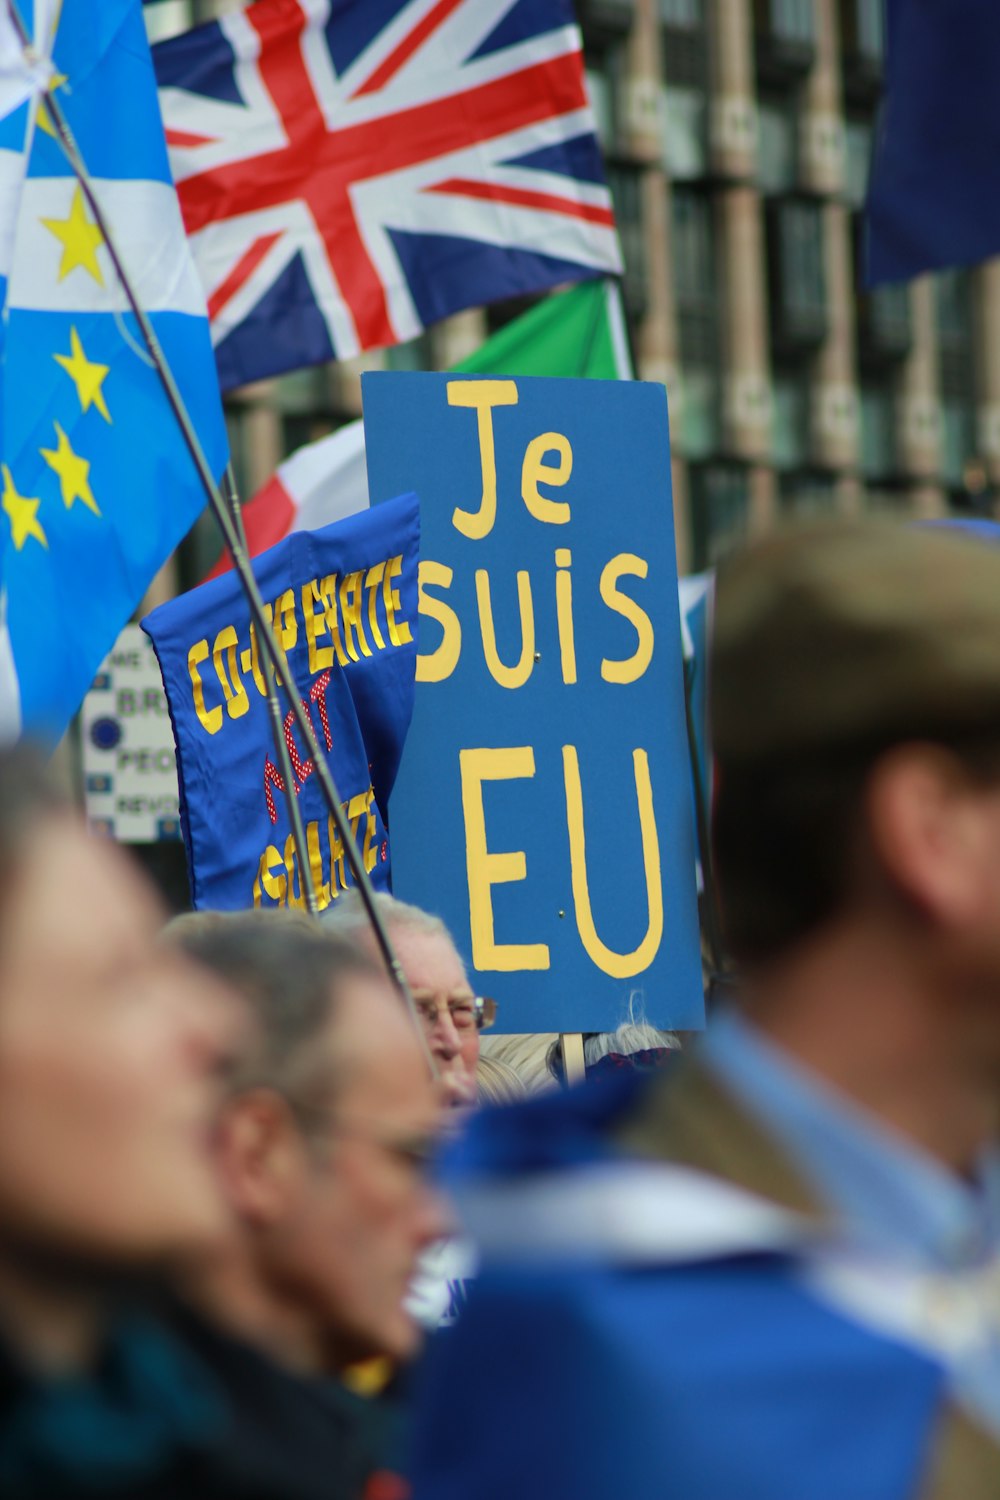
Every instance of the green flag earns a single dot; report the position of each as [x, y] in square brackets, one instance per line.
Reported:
[576, 333]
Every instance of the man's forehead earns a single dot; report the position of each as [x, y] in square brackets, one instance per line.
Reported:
[378, 1047]
[430, 960]
[370, 1017]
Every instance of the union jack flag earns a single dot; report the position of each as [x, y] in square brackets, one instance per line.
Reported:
[352, 170]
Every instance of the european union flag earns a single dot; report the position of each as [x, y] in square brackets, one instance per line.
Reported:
[933, 200]
[97, 485]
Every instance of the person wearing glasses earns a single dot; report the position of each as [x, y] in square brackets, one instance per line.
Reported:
[322, 1147]
[453, 1015]
[323, 1143]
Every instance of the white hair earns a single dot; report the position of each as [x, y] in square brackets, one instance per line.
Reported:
[348, 916]
[633, 1035]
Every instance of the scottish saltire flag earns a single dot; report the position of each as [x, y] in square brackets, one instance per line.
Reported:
[641, 1328]
[933, 199]
[97, 487]
[350, 171]
[22, 78]
[576, 333]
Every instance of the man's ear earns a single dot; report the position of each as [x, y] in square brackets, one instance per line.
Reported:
[928, 831]
[260, 1155]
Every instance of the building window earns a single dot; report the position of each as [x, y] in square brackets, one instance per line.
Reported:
[697, 321]
[786, 38]
[885, 327]
[807, 493]
[625, 182]
[862, 46]
[300, 428]
[694, 274]
[862, 28]
[777, 167]
[796, 275]
[792, 20]
[686, 15]
[720, 508]
[953, 295]
[418, 353]
[878, 431]
[685, 134]
[200, 550]
[600, 92]
[790, 420]
[871, 27]
[858, 146]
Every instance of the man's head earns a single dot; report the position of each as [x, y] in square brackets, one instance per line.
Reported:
[437, 977]
[855, 698]
[110, 1048]
[323, 1140]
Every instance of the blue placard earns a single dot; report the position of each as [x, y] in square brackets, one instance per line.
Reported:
[543, 804]
[343, 602]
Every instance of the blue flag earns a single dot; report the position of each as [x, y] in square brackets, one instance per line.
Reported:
[97, 485]
[933, 198]
[344, 605]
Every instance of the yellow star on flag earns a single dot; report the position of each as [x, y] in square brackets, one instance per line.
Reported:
[22, 513]
[73, 471]
[79, 238]
[86, 375]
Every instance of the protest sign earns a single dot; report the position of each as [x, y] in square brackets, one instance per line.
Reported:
[129, 772]
[344, 602]
[543, 804]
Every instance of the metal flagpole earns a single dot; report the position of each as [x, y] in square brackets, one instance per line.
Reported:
[265, 634]
[307, 886]
[711, 912]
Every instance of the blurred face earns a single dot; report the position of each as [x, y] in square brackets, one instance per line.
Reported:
[108, 1052]
[444, 997]
[363, 1209]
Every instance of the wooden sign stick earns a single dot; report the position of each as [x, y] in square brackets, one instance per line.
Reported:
[574, 1070]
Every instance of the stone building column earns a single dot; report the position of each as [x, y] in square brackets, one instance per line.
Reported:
[746, 379]
[987, 330]
[457, 337]
[262, 436]
[918, 407]
[642, 127]
[733, 101]
[834, 407]
[746, 382]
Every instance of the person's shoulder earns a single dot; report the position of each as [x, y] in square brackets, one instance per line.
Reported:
[284, 1431]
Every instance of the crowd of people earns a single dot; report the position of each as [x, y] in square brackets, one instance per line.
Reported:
[263, 1234]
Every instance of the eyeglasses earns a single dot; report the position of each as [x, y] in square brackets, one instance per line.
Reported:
[466, 1012]
[415, 1151]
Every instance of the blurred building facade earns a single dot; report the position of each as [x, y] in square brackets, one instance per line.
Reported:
[737, 136]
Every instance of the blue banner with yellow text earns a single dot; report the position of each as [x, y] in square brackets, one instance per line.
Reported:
[543, 804]
[344, 605]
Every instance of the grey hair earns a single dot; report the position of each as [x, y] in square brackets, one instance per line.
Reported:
[631, 1036]
[498, 1083]
[347, 916]
[635, 1034]
[288, 971]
